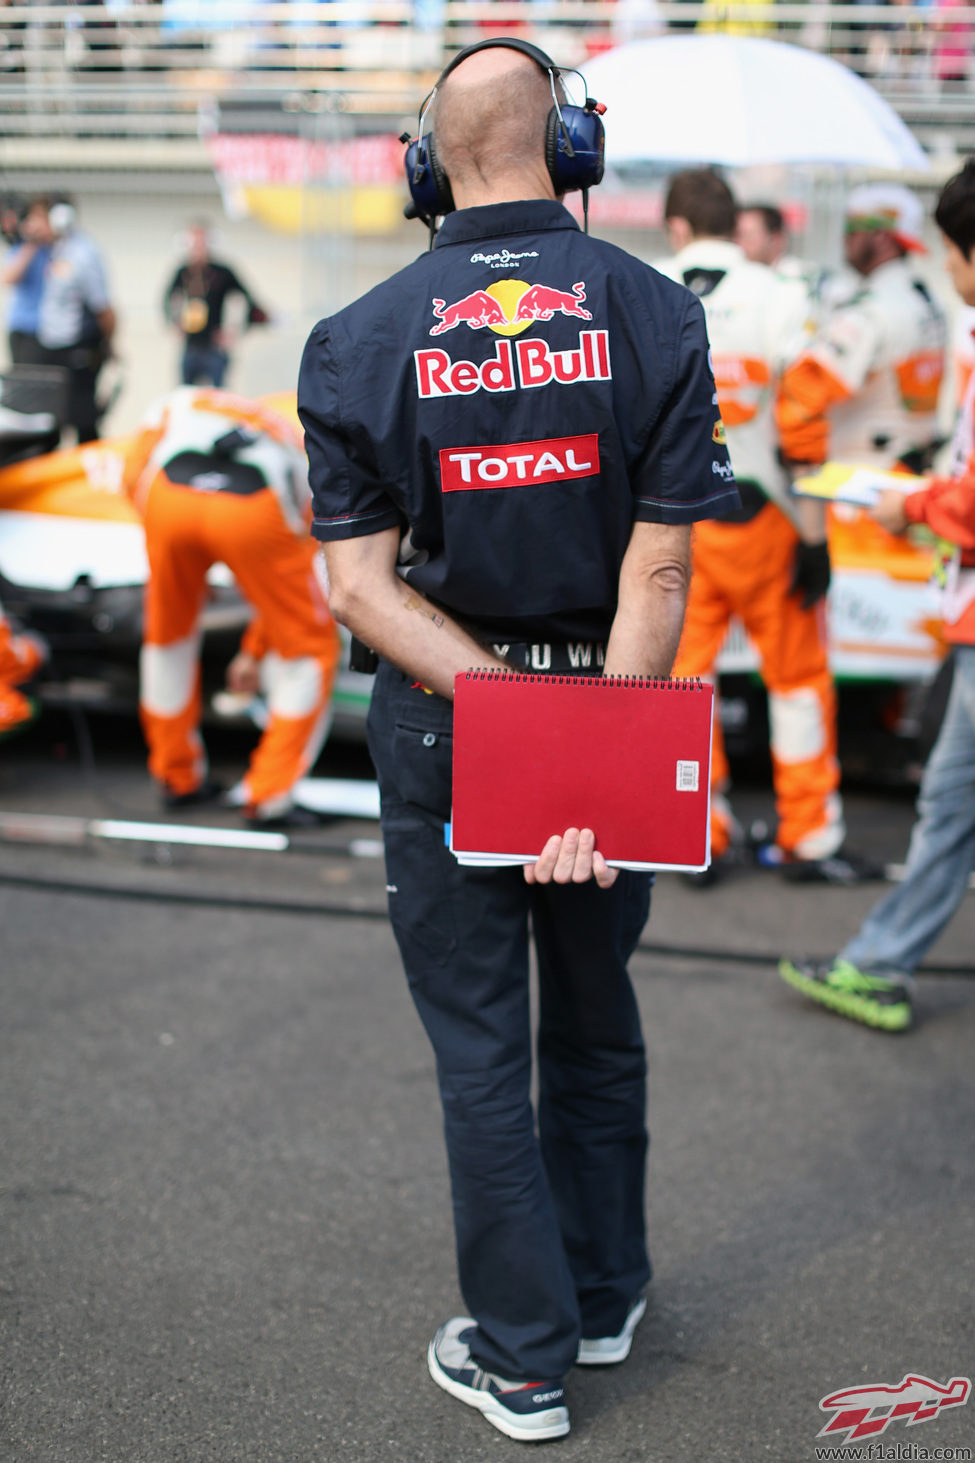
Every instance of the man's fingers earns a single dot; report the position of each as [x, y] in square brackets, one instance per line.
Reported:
[605, 876]
[565, 864]
[542, 870]
[571, 858]
[582, 870]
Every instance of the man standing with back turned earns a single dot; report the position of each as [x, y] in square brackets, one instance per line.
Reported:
[509, 441]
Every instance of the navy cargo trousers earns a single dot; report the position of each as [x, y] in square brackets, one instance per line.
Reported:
[549, 1218]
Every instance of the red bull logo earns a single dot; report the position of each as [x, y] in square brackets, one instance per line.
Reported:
[522, 363]
[866, 1412]
[510, 306]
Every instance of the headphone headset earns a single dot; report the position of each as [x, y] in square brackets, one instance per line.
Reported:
[61, 217]
[574, 142]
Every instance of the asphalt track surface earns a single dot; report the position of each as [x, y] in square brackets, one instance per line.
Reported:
[224, 1221]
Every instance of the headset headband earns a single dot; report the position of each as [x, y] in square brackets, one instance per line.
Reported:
[509, 43]
[574, 141]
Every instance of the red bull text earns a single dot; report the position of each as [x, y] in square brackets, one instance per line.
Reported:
[515, 363]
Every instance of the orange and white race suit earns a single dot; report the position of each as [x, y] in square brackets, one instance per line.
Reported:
[21, 657]
[947, 507]
[220, 479]
[757, 324]
[866, 388]
[744, 569]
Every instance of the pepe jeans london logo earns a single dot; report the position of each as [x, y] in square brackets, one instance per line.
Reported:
[866, 1412]
[504, 259]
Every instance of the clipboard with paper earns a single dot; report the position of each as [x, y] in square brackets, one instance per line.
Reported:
[850, 482]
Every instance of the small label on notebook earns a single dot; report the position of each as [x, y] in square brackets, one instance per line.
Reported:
[688, 776]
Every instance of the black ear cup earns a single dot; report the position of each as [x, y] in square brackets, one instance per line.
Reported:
[552, 147]
[440, 180]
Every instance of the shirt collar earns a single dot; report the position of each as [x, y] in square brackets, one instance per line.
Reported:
[494, 220]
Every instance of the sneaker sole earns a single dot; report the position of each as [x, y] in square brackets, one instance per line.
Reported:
[537, 1429]
[617, 1348]
[846, 1003]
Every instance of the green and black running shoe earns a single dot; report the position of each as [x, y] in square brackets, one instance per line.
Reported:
[880, 1001]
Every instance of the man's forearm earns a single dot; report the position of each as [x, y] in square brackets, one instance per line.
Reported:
[654, 581]
[16, 268]
[645, 637]
[106, 324]
[811, 519]
[403, 626]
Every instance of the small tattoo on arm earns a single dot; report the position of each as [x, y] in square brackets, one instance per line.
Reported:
[413, 603]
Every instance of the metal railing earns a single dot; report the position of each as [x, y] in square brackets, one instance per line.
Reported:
[152, 73]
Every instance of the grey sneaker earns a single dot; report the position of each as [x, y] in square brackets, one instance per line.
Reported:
[531, 1412]
[605, 1350]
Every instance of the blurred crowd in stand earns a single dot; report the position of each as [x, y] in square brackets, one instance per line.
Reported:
[922, 45]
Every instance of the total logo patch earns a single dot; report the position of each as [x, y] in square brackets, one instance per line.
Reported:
[554, 459]
[509, 306]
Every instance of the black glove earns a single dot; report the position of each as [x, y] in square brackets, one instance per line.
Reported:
[811, 574]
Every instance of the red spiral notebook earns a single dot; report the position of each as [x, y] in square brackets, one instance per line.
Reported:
[628, 757]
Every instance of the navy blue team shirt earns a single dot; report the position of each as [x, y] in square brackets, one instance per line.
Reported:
[512, 401]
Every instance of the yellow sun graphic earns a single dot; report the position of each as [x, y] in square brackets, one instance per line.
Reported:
[508, 292]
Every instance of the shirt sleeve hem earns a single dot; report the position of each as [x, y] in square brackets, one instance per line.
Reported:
[354, 525]
[653, 510]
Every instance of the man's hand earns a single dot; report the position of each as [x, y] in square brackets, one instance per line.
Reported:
[571, 858]
[888, 510]
[811, 574]
[243, 674]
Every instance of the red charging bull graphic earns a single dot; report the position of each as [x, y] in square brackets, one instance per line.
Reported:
[475, 310]
[509, 306]
[866, 1412]
[541, 303]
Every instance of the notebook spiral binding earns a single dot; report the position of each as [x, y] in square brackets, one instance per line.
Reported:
[659, 683]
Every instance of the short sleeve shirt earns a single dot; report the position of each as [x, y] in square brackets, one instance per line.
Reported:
[24, 300]
[75, 288]
[513, 401]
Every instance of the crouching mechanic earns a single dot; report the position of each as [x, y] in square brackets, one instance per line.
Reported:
[219, 479]
[508, 443]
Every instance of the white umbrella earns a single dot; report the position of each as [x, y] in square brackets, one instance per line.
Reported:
[743, 101]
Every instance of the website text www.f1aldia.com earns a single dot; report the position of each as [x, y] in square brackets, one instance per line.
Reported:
[897, 1452]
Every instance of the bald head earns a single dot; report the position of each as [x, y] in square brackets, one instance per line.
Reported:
[489, 123]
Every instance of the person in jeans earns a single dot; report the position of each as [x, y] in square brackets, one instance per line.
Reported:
[467, 523]
[871, 979]
[195, 303]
